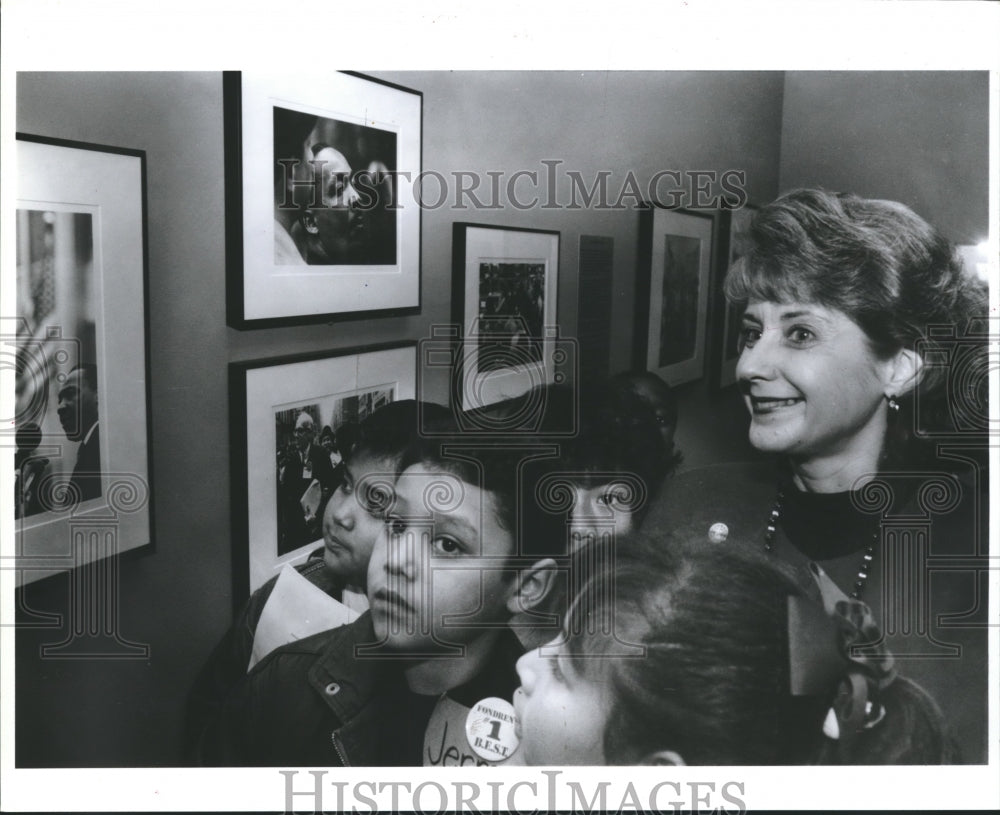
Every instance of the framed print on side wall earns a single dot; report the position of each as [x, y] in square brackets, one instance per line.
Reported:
[321, 217]
[81, 427]
[290, 417]
[672, 282]
[504, 291]
[733, 225]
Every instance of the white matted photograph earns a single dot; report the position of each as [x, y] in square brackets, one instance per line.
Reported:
[321, 213]
[291, 418]
[79, 351]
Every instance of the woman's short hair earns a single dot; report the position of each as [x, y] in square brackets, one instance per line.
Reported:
[897, 278]
[876, 261]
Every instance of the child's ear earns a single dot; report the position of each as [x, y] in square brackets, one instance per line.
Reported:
[532, 585]
[663, 758]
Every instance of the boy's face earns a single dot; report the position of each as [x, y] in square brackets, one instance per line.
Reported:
[353, 518]
[440, 567]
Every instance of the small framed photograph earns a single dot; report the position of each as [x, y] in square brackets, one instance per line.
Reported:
[505, 286]
[733, 225]
[321, 217]
[672, 292]
[81, 421]
[290, 418]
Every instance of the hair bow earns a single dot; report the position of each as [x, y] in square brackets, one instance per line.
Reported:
[837, 649]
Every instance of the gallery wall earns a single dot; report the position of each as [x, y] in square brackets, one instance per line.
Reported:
[919, 138]
[615, 122]
[177, 600]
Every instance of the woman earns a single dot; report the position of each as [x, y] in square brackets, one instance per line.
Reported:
[852, 307]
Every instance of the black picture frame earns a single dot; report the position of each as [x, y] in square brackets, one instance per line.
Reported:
[82, 233]
[493, 361]
[680, 243]
[273, 277]
[262, 393]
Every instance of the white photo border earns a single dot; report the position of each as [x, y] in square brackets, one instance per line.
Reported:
[261, 293]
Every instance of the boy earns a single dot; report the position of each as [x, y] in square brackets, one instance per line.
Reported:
[352, 522]
[395, 687]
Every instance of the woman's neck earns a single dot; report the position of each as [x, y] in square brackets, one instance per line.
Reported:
[809, 478]
[840, 471]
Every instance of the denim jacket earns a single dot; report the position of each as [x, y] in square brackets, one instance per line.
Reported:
[308, 703]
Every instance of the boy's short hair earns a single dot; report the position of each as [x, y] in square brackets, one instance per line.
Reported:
[510, 474]
[387, 433]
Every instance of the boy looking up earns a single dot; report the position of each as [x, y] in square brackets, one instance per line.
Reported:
[395, 687]
[352, 522]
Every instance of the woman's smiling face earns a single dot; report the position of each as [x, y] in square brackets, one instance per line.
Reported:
[811, 381]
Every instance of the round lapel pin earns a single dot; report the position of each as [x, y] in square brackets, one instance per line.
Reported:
[491, 729]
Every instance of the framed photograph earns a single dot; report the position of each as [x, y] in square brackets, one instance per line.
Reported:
[79, 341]
[505, 287]
[733, 225]
[321, 218]
[672, 292]
[290, 416]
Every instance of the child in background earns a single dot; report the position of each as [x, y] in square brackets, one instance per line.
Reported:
[611, 452]
[616, 462]
[660, 397]
[716, 658]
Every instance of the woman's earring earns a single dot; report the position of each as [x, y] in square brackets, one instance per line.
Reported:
[893, 404]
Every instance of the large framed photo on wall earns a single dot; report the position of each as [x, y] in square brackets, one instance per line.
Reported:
[79, 344]
[291, 418]
[504, 298]
[672, 292]
[321, 217]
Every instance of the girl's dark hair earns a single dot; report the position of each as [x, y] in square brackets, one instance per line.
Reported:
[883, 266]
[713, 683]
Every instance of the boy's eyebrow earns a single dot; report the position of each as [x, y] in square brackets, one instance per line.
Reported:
[462, 527]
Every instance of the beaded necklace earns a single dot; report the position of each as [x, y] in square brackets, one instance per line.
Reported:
[866, 560]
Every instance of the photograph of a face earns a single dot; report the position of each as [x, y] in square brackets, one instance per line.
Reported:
[334, 192]
[311, 440]
[58, 457]
[511, 312]
[679, 315]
